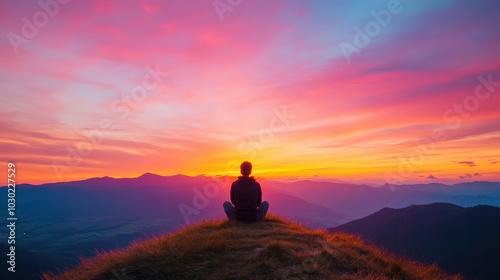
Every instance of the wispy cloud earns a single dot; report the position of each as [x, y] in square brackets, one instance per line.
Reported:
[465, 176]
[468, 175]
[468, 163]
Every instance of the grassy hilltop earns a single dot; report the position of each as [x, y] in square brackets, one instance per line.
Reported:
[273, 249]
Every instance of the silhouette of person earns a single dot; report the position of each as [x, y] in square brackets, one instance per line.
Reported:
[246, 196]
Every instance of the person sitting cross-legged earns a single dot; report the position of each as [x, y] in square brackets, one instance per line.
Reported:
[246, 198]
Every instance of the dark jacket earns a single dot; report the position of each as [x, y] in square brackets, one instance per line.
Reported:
[246, 196]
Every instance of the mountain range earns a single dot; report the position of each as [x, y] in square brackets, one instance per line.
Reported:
[353, 201]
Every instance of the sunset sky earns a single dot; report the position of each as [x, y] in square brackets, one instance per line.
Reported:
[86, 93]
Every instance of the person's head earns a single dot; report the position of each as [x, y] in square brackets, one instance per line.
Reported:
[246, 168]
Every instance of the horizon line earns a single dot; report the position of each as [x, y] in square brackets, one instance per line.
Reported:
[285, 179]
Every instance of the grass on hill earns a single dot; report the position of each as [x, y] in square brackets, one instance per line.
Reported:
[273, 249]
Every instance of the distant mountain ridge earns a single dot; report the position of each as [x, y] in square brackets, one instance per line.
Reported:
[165, 193]
[348, 201]
[460, 240]
[356, 201]
[475, 188]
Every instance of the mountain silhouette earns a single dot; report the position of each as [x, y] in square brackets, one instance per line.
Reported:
[460, 240]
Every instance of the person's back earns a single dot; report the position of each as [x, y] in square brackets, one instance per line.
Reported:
[246, 196]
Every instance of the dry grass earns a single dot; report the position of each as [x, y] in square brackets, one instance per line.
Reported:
[273, 249]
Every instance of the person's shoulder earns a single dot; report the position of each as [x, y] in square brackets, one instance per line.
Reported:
[257, 186]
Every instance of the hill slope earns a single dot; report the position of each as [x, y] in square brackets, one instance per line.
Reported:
[272, 249]
[459, 240]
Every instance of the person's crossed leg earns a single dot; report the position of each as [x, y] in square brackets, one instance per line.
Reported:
[231, 212]
[262, 211]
